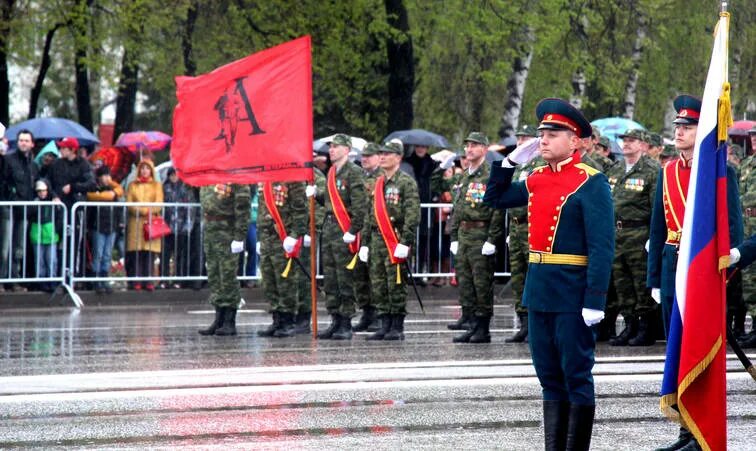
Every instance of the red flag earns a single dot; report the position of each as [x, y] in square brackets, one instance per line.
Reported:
[246, 122]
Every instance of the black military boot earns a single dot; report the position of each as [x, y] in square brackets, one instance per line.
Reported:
[556, 416]
[326, 334]
[580, 427]
[607, 328]
[464, 322]
[685, 438]
[465, 337]
[397, 328]
[229, 323]
[386, 321]
[749, 340]
[645, 335]
[366, 320]
[738, 323]
[631, 328]
[302, 323]
[286, 326]
[522, 334]
[268, 331]
[344, 330]
[482, 333]
[216, 324]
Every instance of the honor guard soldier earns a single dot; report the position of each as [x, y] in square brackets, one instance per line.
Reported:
[390, 229]
[571, 240]
[633, 183]
[281, 222]
[371, 170]
[225, 210]
[667, 220]
[748, 199]
[475, 229]
[345, 202]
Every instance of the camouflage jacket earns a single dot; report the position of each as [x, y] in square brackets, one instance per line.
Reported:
[351, 186]
[633, 192]
[230, 202]
[469, 206]
[290, 199]
[403, 205]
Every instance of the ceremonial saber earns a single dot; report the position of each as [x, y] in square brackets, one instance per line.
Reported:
[414, 285]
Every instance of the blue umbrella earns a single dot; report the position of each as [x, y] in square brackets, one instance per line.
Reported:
[52, 128]
[419, 137]
[612, 127]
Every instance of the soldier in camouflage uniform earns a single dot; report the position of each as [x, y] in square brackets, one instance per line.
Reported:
[475, 227]
[667, 154]
[371, 170]
[600, 151]
[281, 290]
[389, 281]
[748, 200]
[656, 146]
[339, 280]
[633, 183]
[226, 215]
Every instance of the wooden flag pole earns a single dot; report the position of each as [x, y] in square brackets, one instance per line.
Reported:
[313, 268]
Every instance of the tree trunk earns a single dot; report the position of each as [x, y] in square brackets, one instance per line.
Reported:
[36, 91]
[510, 118]
[6, 13]
[401, 68]
[127, 91]
[631, 88]
[187, 44]
[578, 88]
[83, 100]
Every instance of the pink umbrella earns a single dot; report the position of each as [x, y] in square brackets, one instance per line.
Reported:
[143, 140]
[740, 128]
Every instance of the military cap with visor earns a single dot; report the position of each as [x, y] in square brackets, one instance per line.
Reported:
[371, 149]
[393, 146]
[670, 151]
[477, 137]
[604, 142]
[341, 139]
[688, 109]
[637, 133]
[526, 130]
[558, 114]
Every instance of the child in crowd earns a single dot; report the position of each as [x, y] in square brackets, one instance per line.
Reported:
[45, 223]
[105, 223]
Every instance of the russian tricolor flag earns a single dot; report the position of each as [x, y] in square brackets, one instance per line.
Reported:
[694, 373]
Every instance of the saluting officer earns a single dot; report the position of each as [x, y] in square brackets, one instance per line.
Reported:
[633, 183]
[390, 228]
[475, 228]
[571, 239]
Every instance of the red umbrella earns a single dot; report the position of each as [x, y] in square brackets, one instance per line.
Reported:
[740, 128]
[117, 159]
[143, 140]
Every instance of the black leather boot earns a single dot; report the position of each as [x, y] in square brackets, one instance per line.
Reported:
[749, 340]
[580, 427]
[522, 334]
[268, 331]
[482, 333]
[683, 440]
[607, 328]
[464, 322]
[229, 323]
[465, 337]
[631, 328]
[326, 334]
[645, 335]
[285, 326]
[302, 323]
[344, 330]
[397, 328]
[216, 324]
[556, 416]
[386, 321]
[366, 320]
[738, 324]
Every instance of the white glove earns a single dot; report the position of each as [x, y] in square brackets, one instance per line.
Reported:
[648, 244]
[289, 243]
[507, 240]
[257, 248]
[311, 190]
[363, 254]
[454, 247]
[525, 152]
[448, 162]
[592, 316]
[348, 238]
[237, 246]
[401, 251]
[306, 241]
[734, 256]
[488, 249]
[656, 295]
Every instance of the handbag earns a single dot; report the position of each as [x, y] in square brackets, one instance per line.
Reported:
[156, 228]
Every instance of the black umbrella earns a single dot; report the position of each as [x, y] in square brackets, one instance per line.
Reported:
[419, 137]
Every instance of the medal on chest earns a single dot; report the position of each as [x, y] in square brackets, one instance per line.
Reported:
[392, 195]
[280, 194]
[474, 194]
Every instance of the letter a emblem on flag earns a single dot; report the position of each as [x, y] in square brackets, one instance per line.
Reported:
[249, 121]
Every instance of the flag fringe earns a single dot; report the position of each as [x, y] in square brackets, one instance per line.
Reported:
[724, 113]
[724, 262]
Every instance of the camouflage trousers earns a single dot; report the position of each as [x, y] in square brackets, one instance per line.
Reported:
[518, 262]
[280, 291]
[304, 295]
[388, 288]
[362, 284]
[339, 281]
[475, 273]
[221, 266]
[629, 271]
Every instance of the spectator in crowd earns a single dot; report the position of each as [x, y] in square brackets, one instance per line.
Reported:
[423, 166]
[45, 158]
[46, 221]
[71, 176]
[180, 219]
[140, 252]
[104, 225]
[19, 174]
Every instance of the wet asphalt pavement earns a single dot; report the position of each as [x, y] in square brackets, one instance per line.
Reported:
[134, 373]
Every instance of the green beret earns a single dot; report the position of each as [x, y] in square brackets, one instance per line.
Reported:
[477, 137]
